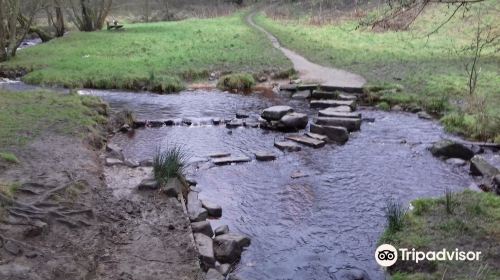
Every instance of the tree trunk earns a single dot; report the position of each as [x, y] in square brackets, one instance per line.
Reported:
[59, 23]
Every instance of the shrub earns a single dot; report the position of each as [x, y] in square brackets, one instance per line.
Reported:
[395, 214]
[9, 157]
[168, 164]
[384, 106]
[239, 81]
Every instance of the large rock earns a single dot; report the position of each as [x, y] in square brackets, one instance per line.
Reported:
[334, 133]
[213, 274]
[228, 247]
[294, 121]
[480, 167]
[196, 212]
[275, 113]
[287, 146]
[332, 113]
[333, 103]
[308, 141]
[349, 123]
[221, 230]
[451, 149]
[214, 210]
[205, 247]
[203, 227]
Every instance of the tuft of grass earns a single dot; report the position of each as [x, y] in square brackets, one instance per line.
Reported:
[384, 106]
[169, 164]
[9, 158]
[395, 214]
[26, 115]
[9, 189]
[472, 225]
[448, 201]
[159, 56]
[236, 82]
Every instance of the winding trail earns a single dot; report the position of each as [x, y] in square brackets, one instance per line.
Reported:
[308, 71]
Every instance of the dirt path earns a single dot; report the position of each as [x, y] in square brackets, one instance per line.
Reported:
[311, 72]
[67, 221]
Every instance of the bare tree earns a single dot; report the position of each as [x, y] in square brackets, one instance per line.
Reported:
[55, 16]
[89, 15]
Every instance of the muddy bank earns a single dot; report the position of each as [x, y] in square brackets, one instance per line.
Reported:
[65, 222]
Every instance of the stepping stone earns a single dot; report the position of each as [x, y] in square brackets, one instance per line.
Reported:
[287, 146]
[345, 109]
[344, 89]
[275, 113]
[214, 210]
[139, 123]
[307, 87]
[333, 103]
[335, 114]
[321, 94]
[301, 95]
[335, 133]
[298, 174]
[294, 121]
[242, 114]
[289, 87]
[216, 121]
[219, 155]
[306, 141]
[265, 156]
[349, 123]
[317, 136]
[252, 124]
[231, 159]
[234, 123]
[343, 96]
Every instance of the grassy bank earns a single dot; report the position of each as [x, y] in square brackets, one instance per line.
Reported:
[429, 69]
[26, 115]
[469, 221]
[157, 56]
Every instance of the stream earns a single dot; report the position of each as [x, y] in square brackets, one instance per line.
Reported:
[317, 227]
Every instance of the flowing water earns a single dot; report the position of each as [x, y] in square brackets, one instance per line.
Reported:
[315, 227]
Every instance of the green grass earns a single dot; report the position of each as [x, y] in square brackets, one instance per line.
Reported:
[429, 69]
[155, 56]
[238, 82]
[9, 157]
[26, 115]
[472, 225]
[169, 164]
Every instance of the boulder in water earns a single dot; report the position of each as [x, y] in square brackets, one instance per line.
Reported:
[275, 113]
[451, 149]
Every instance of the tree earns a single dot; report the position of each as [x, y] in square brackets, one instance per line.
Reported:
[55, 17]
[89, 15]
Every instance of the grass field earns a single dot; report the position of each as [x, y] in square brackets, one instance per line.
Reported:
[26, 115]
[156, 56]
[429, 68]
[469, 221]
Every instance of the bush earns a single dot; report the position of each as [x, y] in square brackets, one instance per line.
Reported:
[239, 82]
[384, 106]
[168, 164]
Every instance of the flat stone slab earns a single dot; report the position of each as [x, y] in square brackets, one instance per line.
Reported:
[264, 156]
[235, 123]
[219, 155]
[289, 87]
[334, 133]
[344, 89]
[231, 159]
[311, 142]
[344, 96]
[317, 136]
[335, 114]
[321, 94]
[298, 174]
[275, 113]
[307, 87]
[333, 103]
[113, 162]
[345, 109]
[301, 95]
[287, 146]
[349, 123]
